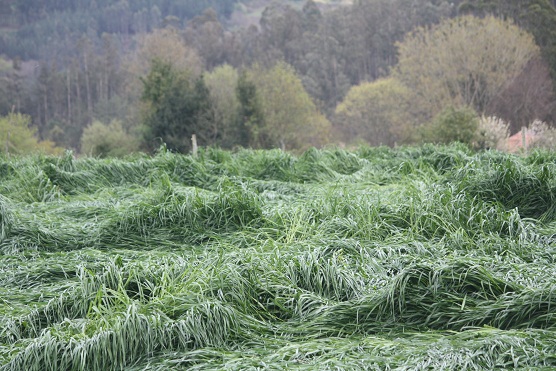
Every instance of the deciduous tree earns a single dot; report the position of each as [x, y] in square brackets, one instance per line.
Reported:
[291, 119]
[101, 140]
[376, 112]
[451, 125]
[225, 129]
[530, 96]
[17, 137]
[465, 61]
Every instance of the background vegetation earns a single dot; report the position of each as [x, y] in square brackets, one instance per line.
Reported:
[351, 72]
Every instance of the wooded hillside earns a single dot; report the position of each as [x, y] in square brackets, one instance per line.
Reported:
[189, 66]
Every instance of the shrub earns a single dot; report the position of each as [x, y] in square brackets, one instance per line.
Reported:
[110, 140]
[544, 136]
[492, 133]
[451, 125]
[16, 137]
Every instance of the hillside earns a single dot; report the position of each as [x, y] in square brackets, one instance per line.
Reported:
[355, 72]
[247, 13]
[27, 27]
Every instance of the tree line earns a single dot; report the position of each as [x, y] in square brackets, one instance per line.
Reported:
[377, 72]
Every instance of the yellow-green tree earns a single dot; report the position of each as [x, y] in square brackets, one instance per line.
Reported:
[466, 61]
[375, 112]
[112, 140]
[224, 113]
[17, 137]
[291, 119]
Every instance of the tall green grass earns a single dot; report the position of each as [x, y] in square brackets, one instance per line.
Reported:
[429, 257]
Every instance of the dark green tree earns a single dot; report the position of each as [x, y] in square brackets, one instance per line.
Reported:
[451, 125]
[177, 107]
[251, 120]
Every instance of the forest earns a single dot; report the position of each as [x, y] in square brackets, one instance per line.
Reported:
[112, 77]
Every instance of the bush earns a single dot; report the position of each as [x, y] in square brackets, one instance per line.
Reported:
[544, 136]
[492, 133]
[16, 137]
[111, 140]
[451, 125]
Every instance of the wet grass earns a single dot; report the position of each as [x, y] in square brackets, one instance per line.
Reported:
[410, 258]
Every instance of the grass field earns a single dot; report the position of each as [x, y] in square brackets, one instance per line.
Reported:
[410, 258]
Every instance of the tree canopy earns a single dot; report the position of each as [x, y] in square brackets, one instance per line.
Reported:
[291, 119]
[377, 69]
[376, 112]
[17, 138]
[177, 103]
[466, 61]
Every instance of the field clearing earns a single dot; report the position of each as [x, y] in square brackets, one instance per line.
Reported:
[431, 257]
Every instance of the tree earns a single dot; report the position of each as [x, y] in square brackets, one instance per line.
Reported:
[251, 119]
[101, 140]
[10, 86]
[377, 112]
[492, 133]
[177, 106]
[465, 61]
[536, 16]
[225, 129]
[167, 46]
[281, 27]
[206, 34]
[291, 119]
[85, 47]
[17, 137]
[312, 16]
[530, 96]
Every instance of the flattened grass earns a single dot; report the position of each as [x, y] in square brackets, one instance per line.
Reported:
[428, 257]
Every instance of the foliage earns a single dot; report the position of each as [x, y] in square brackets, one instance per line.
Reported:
[43, 24]
[428, 257]
[291, 119]
[378, 112]
[466, 61]
[178, 105]
[101, 140]
[224, 120]
[16, 137]
[528, 97]
[166, 46]
[544, 136]
[73, 62]
[207, 35]
[251, 117]
[492, 133]
[536, 16]
[451, 125]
